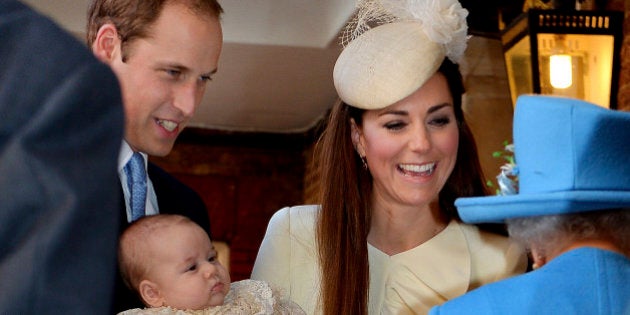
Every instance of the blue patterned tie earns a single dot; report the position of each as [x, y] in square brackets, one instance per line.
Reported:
[137, 183]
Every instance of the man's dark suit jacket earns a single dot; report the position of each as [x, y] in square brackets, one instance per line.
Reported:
[62, 125]
[173, 197]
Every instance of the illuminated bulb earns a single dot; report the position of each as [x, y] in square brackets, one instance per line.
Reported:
[561, 71]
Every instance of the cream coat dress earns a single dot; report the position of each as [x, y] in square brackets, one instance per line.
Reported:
[457, 260]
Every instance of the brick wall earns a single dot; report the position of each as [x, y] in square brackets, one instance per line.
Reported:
[623, 97]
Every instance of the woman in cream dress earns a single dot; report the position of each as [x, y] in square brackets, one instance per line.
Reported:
[395, 154]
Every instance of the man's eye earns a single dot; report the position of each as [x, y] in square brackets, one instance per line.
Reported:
[173, 73]
[205, 78]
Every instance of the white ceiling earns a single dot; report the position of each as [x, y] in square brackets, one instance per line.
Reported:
[275, 71]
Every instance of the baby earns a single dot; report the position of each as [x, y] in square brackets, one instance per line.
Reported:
[171, 263]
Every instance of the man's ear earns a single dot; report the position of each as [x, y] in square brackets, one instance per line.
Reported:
[150, 293]
[106, 45]
[356, 138]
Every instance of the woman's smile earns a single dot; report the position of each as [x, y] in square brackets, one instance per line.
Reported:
[417, 169]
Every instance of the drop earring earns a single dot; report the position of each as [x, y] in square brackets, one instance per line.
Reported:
[364, 161]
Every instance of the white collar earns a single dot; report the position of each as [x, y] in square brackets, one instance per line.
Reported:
[125, 154]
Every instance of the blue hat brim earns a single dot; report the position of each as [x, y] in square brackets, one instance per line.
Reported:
[496, 209]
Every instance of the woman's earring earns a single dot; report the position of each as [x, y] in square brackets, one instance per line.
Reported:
[364, 160]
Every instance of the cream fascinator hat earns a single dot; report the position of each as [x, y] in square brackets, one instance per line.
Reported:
[392, 47]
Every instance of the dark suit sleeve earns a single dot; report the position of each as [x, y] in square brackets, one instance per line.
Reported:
[62, 124]
[177, 198]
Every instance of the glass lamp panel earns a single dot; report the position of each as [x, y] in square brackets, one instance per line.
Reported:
[519, 68]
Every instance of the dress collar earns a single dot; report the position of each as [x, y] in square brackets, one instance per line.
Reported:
[442, 263]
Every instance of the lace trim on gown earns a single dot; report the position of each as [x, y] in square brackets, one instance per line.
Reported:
[246, 297]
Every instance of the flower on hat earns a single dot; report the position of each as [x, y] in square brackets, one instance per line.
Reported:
[508, 178]
[444, 21]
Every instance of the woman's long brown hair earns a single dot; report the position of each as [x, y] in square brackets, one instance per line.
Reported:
[344, 218]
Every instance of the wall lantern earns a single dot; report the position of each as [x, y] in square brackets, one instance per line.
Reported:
[565, 52]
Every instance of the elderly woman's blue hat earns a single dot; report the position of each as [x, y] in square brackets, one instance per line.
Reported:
[572, 156]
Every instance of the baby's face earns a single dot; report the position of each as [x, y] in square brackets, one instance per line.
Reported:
[186, 269]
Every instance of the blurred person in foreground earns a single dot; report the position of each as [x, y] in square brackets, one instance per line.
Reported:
[62, 124]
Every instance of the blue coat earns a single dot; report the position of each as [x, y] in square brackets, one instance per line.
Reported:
[582, 281]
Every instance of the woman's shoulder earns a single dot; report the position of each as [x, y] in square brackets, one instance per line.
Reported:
[503, 252]
[303, 215]
[293, 224]
[491, 244]
[479, 237]
[298, 211]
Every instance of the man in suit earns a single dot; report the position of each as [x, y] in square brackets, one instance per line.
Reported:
[164, 53]
[62, 123]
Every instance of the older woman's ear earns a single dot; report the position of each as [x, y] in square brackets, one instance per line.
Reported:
[539, 258]
[150, 293]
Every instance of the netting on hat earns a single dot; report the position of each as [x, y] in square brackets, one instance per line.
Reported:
[444, 21]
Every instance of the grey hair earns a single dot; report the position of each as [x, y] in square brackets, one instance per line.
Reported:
[552, 233]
